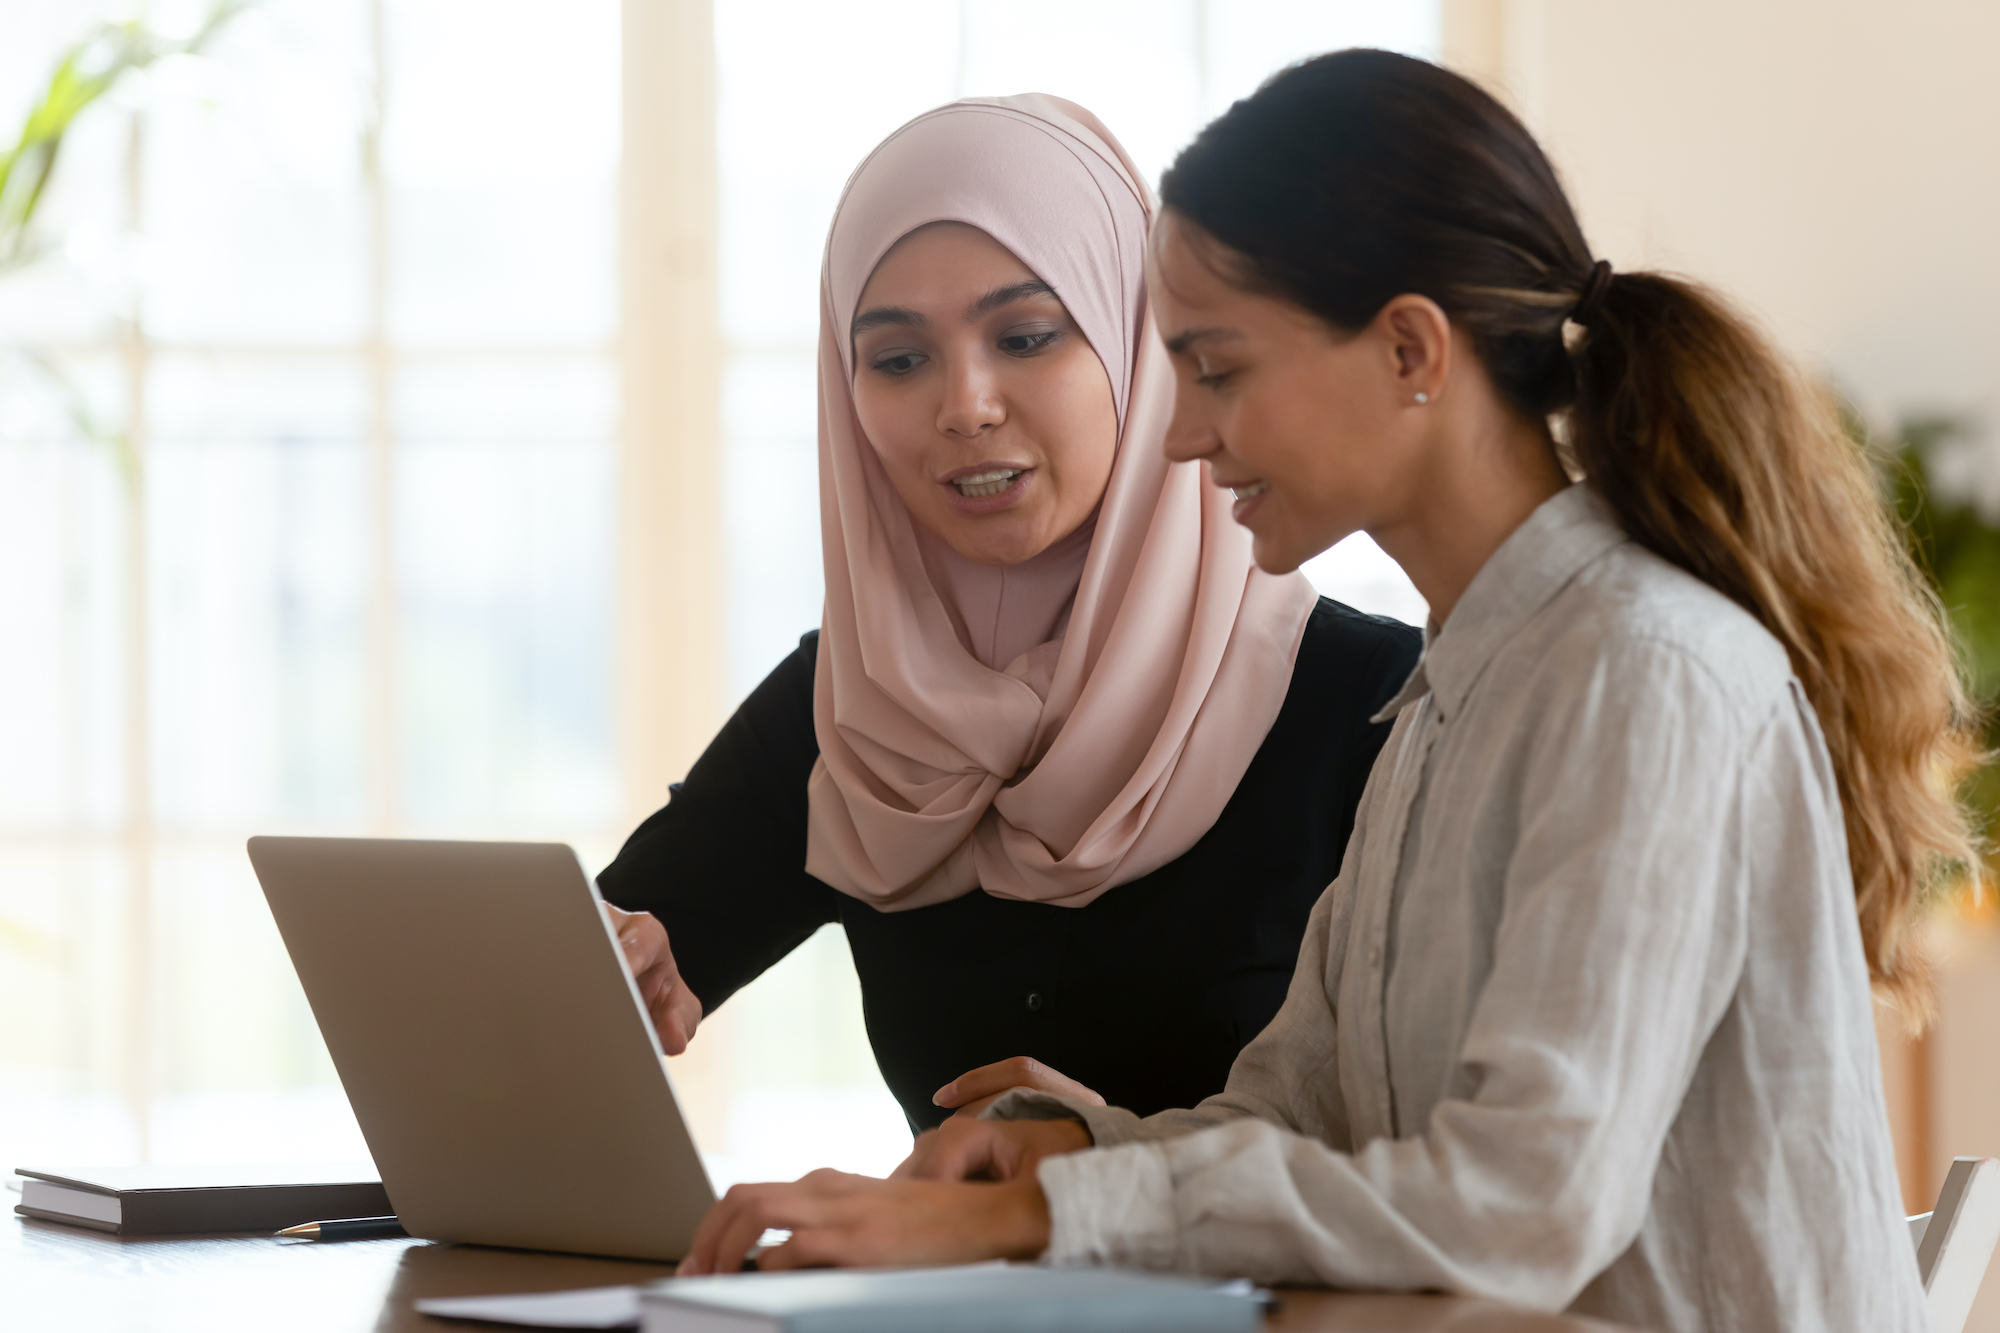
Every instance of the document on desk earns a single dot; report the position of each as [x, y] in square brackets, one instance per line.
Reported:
[980, 1298]
[591, 1307]
[970, 1298]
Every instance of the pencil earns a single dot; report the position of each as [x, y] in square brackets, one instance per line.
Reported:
[347, 1228]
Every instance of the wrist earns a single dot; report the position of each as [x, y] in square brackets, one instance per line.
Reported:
[1072, 1136]
[1024, 1218]
[1052, 1138]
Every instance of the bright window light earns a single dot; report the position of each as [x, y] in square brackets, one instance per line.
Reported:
[347, 287]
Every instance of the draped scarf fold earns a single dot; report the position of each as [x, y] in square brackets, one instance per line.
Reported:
[1051, 730]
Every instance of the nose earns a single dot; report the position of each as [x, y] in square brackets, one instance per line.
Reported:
[972, 399]
[1190, 434]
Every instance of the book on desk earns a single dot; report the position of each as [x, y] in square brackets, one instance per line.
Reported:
[180, 1200]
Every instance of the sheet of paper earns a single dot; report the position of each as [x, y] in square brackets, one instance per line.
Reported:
[591, 1307]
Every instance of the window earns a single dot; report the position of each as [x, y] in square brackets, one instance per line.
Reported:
[348, 291]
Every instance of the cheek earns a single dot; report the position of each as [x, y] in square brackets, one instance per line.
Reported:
[894, 424]
[1269, 428]
[1307, 429]
[1075, 421]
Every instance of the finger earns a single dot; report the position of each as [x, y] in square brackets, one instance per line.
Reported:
[755, 1209]
[667, 1021]
[912, 1167]
[811, 1247]
[1046, 1079]
[638, 957]
[624, 923]
[644, 940]
[739, 1239]
[656, 993]
[685, 1007]
[780, 1258]
[917, 1165]
[676, 1013]
[988, 1080]
[959, 1150]
[971, 1110]
[843, 1206]
[912, 1225]
[674, 1009]
[999, 1150]
[623, 932]
[730, 1229]
[699, 1259]
[1040, 1076]
[673, 1037]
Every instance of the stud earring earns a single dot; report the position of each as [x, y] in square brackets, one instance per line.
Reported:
[1423, 398]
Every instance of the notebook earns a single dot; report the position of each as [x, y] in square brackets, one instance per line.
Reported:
[164, 1200]
[590, 1307]
[1012, 1298]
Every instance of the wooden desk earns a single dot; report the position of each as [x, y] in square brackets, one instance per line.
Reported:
[62, 1279]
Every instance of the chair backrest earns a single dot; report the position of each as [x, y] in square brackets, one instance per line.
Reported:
[1956, 1240]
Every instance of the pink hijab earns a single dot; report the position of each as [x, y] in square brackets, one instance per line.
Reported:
[1046, 731]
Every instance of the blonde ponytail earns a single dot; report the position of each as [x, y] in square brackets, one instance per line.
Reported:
[1717, 455]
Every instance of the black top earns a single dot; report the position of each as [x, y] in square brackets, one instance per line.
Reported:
[1145, 995]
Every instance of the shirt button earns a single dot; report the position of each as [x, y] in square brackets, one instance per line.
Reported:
[1034, 1000]
[1374, 955]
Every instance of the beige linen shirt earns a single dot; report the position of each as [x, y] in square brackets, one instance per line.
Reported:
[1585, 1020]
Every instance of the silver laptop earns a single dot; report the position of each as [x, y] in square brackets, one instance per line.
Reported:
[491, 1041]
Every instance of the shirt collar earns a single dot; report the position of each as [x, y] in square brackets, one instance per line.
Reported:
[1567, 532]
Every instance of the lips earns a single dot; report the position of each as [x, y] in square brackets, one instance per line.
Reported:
[987, 487]
[989, 481]
[1249, 496]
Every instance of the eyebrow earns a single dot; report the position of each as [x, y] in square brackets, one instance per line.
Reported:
[903, 317]
[1000, 296]
[1187, 338]
[883, 315]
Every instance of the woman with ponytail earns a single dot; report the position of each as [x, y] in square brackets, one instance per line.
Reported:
[1586, 1020]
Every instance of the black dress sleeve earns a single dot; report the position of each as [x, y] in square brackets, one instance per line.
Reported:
[722, 864]
[1148, 993]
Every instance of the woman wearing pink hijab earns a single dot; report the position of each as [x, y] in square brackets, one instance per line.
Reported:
[1068, 769]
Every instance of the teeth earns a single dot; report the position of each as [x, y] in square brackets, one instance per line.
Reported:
[981, 484]
[1250, 492]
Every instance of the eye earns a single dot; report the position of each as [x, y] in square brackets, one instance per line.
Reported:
[1027, 344]
[1208, 375]
[897, 363]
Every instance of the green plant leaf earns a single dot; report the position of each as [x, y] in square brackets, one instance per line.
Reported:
[85, 73]
[1958, 550]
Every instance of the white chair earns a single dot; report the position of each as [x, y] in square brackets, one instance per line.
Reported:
[1956, 1240]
